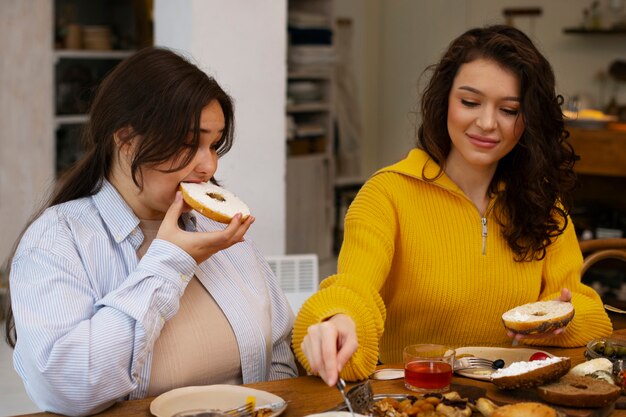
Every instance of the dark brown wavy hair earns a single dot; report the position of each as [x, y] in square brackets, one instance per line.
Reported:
[155, 99]
[538, 174]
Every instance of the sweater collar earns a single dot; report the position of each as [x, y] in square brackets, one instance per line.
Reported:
[418, 164]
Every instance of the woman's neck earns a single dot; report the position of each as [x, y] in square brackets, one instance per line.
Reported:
[473, 180]
[124, 184]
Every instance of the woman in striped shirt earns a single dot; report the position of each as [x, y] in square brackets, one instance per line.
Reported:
[118, 290]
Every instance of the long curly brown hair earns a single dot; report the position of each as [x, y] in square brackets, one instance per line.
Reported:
[538, 174]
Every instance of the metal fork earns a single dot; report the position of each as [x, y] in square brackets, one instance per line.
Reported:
[341, 386]
[468, 362]
[246, 410]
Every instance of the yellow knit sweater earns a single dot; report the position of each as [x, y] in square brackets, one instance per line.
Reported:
[415, 260]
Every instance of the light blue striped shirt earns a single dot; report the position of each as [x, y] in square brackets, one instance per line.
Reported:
[87, 313]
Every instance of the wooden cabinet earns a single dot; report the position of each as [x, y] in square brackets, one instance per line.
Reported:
[602, 151]
[309, 208]
[600, 201]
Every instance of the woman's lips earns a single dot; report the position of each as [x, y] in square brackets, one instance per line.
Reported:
[483, 142]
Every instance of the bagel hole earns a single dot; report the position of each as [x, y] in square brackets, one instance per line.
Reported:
[216, 196]
[539, 313]
[580, 386]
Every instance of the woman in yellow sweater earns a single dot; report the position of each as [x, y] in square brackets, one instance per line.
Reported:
[471, 224]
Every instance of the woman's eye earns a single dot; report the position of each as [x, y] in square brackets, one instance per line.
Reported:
[511, 112]
[215, 146]
[468, 103]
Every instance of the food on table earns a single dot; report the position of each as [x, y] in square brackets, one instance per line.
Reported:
[213, 201]
[498, 364]
[538, 317]
[485, 406]
[530, 374]
[262, 412]
[594, 367]
[606, 348]
[538, 356]
[579, 391]
[450, 404]
[525, 409]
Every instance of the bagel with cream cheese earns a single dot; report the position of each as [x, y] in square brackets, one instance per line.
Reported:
[213, 201]
[538, 317]
[530, 374]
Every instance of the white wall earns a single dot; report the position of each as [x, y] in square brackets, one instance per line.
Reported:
[26, 119]
[242, 43]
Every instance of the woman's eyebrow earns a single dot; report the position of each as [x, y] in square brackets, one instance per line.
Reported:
[203, 130]
[475, 91]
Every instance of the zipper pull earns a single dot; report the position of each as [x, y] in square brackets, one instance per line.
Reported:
[484, 230]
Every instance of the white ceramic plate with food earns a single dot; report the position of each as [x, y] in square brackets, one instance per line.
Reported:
[508, 355]
[210, 397]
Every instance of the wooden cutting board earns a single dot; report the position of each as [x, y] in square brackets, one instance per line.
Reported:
[502, 397]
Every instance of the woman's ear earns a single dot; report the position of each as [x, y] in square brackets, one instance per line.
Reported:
[124, 140]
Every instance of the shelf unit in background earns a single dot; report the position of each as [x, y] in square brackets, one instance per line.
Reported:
[310, 129]
[595, 32]
[598, 208]
[91, 38]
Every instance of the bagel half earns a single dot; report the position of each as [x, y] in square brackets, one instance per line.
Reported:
[530, 374]
[580, 392]
[538, 317]
[213, 201]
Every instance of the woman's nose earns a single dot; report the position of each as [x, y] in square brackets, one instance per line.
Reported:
[486, 120]
[205, 161]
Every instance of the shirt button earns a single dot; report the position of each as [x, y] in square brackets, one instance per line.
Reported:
[162, 319]
[184, 277]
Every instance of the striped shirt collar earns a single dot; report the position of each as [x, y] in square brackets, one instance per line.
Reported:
[119, 218]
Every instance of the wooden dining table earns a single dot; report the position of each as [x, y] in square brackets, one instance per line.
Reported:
[309, 395]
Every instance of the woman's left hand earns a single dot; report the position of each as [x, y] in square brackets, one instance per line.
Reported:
[566, 296]
[200, 245]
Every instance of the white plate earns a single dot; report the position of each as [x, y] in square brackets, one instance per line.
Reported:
[508, 355]
[217, 397]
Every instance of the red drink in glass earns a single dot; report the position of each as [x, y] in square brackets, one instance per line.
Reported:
[434, 376]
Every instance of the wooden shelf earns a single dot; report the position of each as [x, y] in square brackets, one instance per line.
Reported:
[71, 119]
[309, 75]
[308, 107]
[583, 31]
[91, 54]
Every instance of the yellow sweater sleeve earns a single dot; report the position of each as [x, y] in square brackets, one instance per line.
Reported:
[562, 270]
[364, 264]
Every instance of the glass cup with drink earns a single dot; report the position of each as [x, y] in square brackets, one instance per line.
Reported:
[428, 367]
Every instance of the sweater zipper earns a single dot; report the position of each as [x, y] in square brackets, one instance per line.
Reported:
[484, 230]
[483, 222]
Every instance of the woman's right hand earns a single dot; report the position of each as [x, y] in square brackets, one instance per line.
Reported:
[329, 345]
[200, 245]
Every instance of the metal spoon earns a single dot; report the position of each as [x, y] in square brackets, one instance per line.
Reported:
[341, 386]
